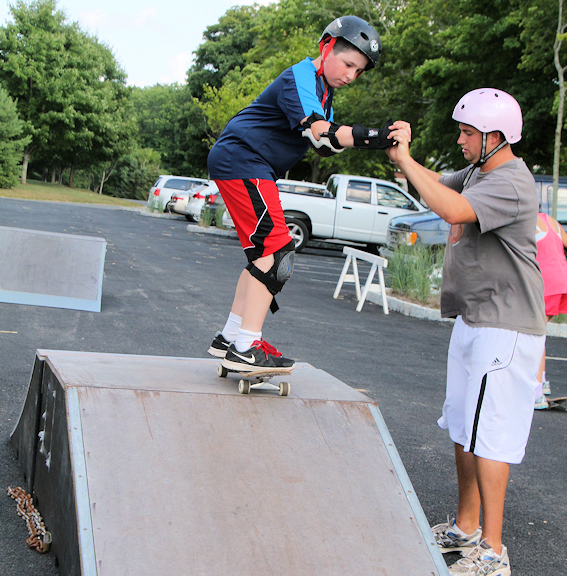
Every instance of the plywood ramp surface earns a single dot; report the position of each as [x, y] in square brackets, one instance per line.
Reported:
[186, 476]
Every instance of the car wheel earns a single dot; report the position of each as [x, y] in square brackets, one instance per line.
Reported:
[298, 231]
[374, 248]
[190, 218]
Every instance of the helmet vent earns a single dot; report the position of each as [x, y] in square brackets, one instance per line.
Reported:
[364, 36]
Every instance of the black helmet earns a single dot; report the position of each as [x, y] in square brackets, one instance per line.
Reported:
[359, 33]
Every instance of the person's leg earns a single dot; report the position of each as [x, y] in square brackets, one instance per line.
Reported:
[252, 298]
[492, 478]
[258, 217]
[468, 511]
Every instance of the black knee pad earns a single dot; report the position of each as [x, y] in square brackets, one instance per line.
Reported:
[281, 271]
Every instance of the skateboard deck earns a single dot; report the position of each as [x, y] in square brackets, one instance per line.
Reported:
[559, 403]
[258, 380]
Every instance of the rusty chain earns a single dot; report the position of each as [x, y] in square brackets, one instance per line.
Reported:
[40, 538]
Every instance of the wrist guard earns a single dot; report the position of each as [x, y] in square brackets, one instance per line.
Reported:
[328, 143]
[372, 138]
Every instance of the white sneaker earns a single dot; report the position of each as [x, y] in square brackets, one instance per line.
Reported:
[482, 561]
[450, 538]
[541, 403]
[546, 388]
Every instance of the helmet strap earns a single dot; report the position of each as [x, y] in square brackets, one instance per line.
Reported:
[324, 48]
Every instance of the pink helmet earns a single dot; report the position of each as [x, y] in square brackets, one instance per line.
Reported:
[490, 110]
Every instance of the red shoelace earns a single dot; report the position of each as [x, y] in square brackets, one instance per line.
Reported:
[266, 348]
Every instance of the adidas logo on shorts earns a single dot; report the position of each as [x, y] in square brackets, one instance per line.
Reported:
[496, 362]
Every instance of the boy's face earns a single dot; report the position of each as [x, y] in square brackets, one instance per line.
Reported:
[343, 67]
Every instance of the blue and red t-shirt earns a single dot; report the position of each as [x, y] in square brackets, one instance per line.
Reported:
[264, 140]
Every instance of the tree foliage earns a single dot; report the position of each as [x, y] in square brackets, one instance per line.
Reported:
[12, 143]
[70, 91]
[171, 122]
[76, 111]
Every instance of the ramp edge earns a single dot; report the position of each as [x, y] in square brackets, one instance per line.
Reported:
[84, 520]
[409, 491]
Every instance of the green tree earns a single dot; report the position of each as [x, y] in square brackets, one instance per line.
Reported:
[12, 143]
[543, 32]
[31, 51]
[468, 44]
[134, 174]
[69, 88]
[171, 122]
[94, 117]
[224, 47]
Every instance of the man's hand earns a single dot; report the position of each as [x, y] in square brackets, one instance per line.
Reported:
[401, 134]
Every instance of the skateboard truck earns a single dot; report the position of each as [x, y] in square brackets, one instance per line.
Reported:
[559, 403]
[259, 380]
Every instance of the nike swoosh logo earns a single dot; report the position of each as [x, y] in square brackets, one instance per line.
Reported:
[250, 360]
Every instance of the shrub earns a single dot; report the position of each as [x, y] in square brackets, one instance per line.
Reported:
[206, 216]
[413, 271]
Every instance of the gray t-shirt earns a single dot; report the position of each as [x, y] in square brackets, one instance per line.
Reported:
[490, 274]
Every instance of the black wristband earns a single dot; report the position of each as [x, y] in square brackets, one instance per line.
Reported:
[372, 138]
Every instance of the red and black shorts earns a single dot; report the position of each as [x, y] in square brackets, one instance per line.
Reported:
[256, 211]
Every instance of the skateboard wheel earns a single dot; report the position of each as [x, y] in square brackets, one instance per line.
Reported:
[244, 387]
[222, 371]
[285, 389]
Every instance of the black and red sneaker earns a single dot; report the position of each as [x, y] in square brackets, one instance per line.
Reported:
[261, 356]
[219, 346]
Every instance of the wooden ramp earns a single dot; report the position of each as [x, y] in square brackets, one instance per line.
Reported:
[50, 269]
[156, 466]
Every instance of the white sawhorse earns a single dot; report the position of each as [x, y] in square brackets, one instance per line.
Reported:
[378, 263]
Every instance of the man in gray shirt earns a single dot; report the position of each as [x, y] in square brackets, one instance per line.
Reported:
[492, 285]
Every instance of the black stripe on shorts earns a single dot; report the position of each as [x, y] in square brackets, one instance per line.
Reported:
[477, 414]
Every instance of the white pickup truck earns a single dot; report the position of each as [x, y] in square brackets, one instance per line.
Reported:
[350, 208]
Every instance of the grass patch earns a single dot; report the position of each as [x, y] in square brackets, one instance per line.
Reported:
[414, 273]
[156, 205]
[219, 212]
[206, 216]
[559, 319]
[35, 190]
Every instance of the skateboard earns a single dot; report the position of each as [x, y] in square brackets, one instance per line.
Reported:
[559, 403]
[259, 380]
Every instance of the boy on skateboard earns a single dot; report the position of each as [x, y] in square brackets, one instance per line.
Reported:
[258, 146]
[493, 287]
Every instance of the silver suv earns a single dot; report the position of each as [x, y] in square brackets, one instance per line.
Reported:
[163, 189]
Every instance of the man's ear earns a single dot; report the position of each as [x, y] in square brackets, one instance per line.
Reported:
[495, 138]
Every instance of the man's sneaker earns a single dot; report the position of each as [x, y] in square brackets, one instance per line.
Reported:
[546, 388]
[261, 356]
[219, 346]
[541, 403]
[482, 561]
[450, 538]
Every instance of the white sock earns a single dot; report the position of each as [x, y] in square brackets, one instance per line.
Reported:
[245, 339]
[232, 326]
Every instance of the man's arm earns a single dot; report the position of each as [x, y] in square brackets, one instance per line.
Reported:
[445, 202]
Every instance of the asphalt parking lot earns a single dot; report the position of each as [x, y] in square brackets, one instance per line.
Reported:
[167, 291]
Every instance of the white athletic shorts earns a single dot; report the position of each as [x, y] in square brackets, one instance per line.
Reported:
[491, 388]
